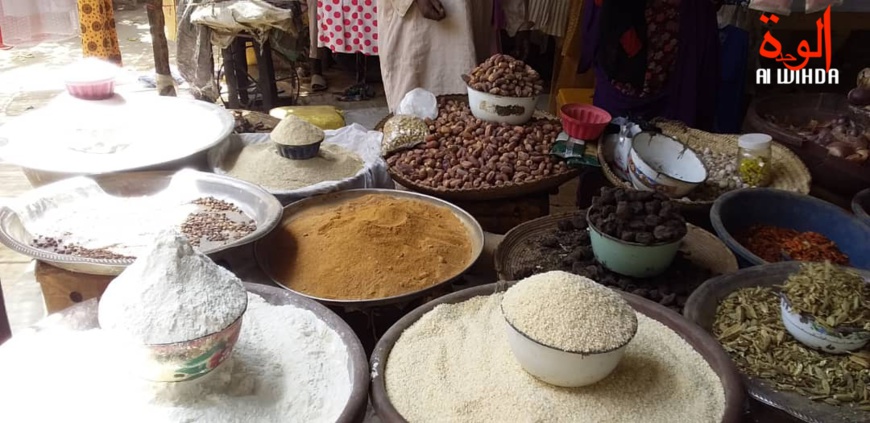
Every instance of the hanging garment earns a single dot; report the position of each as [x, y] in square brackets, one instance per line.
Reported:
[419, 52]
[620, 48]
[732, 79]
[550, 16]
[99, 37]
[34, 21]
[348, 26]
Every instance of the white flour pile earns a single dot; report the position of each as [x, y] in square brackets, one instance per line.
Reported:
[455, 365]
[123, 225]
[288, 366]
[569, 312]
[173, 293]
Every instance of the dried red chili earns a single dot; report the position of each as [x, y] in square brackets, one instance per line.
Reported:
[774, 244]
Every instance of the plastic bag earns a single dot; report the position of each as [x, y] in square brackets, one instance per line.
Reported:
[326, 117]
[420, 103]
[780, 7]
[402, 132]
[818, 5]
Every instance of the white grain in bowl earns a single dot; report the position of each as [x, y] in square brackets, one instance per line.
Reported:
[295, 131]
[569, 312]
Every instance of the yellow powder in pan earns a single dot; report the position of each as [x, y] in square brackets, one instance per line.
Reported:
[374, 246]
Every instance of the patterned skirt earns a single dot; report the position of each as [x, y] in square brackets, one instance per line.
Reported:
[99, 38]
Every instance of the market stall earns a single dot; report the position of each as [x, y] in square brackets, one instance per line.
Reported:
[287, 279]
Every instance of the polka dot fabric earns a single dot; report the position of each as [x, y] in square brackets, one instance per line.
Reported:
[99, 37]
[348, 26]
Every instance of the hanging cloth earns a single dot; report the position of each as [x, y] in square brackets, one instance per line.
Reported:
[99, 37]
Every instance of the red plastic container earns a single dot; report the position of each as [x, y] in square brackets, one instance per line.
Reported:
[99, 90]
[91, 79]
[584, 121]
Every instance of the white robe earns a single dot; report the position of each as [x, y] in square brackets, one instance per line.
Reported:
[418, 52]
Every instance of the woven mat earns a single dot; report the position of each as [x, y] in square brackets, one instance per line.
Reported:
[789, 172]
[700, 246]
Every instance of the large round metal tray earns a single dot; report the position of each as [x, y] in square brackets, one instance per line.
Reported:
[475, 234]
[701, 309]
[155, 130]
[253, 200]
[83, 316]
[705, 344]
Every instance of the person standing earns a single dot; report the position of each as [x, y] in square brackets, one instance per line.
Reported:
[350, 26]
[429, 44]
[654, 58]
[99, 37]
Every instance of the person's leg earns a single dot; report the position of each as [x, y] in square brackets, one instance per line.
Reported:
[315, 56]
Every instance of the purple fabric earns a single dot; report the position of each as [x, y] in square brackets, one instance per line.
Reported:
[690, 96]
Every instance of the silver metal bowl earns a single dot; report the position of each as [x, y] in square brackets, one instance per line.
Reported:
[251, 199]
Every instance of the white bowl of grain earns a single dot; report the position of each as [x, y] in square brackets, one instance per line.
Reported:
[567, 330]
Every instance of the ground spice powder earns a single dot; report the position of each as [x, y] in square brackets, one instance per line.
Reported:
[369, 247]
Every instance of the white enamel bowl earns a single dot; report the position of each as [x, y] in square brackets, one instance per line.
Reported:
[808, 332]
[660, 163]
[559, 367]
[501, 109]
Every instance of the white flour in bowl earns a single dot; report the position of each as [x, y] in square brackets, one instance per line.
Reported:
[288, 366]
[173, 293]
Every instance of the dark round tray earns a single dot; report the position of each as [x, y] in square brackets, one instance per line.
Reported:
[701, 309]
[704, 343]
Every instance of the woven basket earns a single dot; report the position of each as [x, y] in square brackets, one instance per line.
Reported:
[701, 247]
[491, 193]
[789, 172]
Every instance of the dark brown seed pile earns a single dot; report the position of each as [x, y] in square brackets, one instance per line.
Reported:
[637, 216]
[213, 224]
[567, 248]
[58, 246]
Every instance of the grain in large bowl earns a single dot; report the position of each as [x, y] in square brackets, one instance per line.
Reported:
[736, 211]
[567, 330]
[294, 358]
[457, 340]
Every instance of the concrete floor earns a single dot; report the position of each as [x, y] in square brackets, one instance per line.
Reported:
[30, 77]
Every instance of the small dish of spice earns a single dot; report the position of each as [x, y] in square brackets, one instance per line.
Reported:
[827, 308]
[297, 139]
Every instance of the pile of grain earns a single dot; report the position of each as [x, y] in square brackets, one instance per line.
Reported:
[455, 364]
[570, 312]
[261, 164]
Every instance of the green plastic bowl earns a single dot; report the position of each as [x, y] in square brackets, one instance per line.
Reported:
[630, 258]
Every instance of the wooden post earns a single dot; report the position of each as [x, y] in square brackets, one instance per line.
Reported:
[157, 22]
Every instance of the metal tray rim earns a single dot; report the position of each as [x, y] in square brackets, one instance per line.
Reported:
[115, 266]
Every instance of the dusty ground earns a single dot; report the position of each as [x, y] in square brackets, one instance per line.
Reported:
[30, 77]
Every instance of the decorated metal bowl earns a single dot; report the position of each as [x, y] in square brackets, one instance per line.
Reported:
[186, 360]
[809, 332]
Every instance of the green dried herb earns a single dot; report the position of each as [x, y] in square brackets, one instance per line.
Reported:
[749, 327]
[833, 296]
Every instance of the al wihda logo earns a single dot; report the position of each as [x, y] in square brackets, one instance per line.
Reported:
[795, 68]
